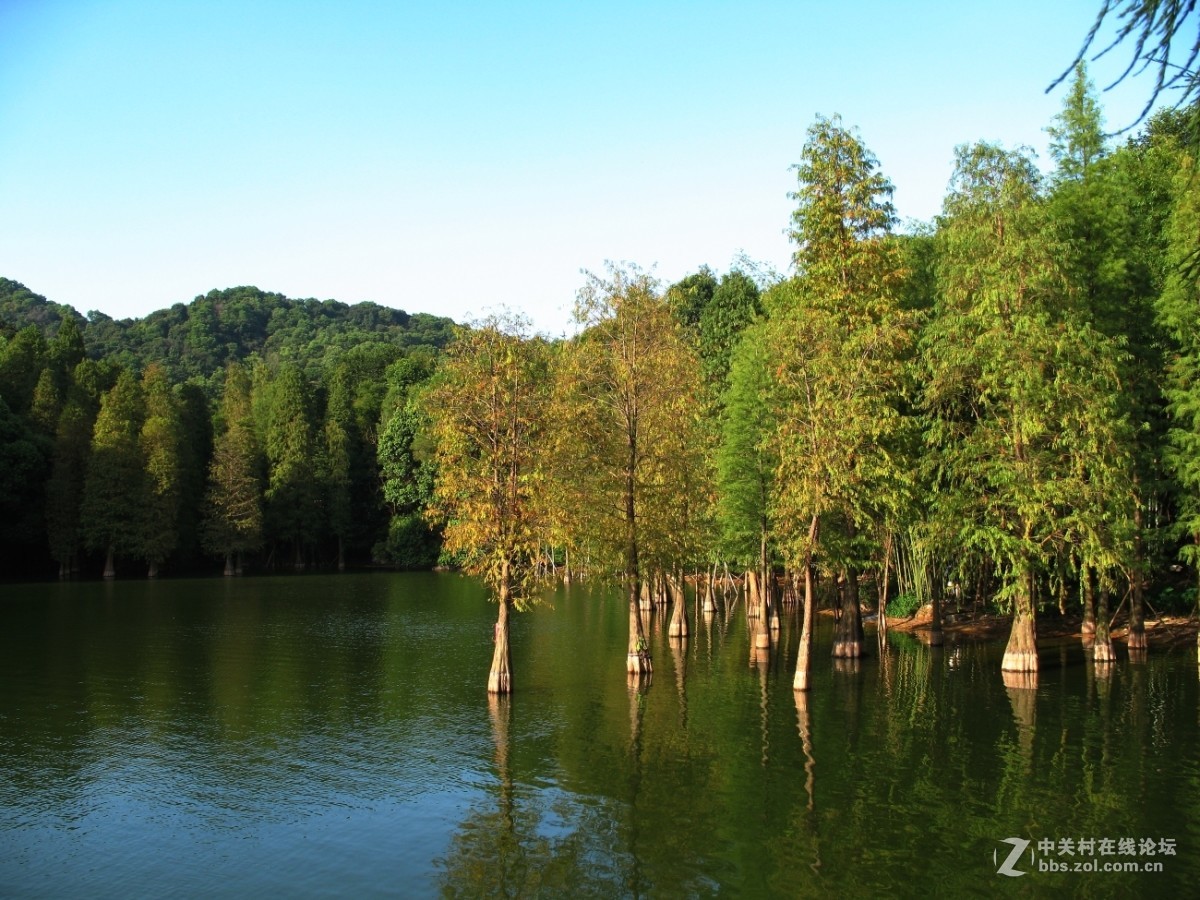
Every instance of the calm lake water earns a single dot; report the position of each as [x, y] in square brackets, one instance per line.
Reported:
[331, 736]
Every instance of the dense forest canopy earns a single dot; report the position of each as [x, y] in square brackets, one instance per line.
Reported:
[294, 468]
[197, 339]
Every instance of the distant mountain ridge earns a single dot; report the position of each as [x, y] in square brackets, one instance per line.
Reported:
[197, 339]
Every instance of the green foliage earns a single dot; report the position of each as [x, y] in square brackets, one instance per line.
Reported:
[410, 544]
[903, 606]
[488, 421]
[840, 337]
[1077, 134]
[293, 494]
[745, 460]
[21, 362]
[162, 445]
[64, 490]
[24, 465]
[1028, 446]
[233, 520]
[111, 516]
[631, 452]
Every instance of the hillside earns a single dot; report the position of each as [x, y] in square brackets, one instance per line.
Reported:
[197, 339]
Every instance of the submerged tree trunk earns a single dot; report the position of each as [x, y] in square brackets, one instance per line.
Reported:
[710, 599]
[500, 676]
[804, 659]
[1102, 648]
[848, 634]
[110, 570]
[679, 622]
[638, 659]
[1021, 653]
[881, 612]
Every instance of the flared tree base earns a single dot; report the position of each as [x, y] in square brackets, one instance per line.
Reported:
[499, 682]
[848, 648]
[1102, 650]
[1137, 639]
[1021, 654]
[637, 662]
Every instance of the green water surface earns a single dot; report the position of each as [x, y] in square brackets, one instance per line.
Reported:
[331, 736]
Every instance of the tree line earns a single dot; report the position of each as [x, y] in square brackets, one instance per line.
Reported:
[999, 405]
[245, 429]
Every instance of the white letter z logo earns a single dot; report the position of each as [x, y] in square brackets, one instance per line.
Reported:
[1006, 868]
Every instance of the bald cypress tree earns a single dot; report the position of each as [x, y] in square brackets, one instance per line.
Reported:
[489, 420]
[233, 518]
[840, 336]
[111, 515]
[1026, 434]
[162, 445]
[293, 494]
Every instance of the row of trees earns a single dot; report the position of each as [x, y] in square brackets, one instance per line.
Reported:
[1005, 400]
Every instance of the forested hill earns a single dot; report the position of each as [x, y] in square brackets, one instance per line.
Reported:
[197, 339]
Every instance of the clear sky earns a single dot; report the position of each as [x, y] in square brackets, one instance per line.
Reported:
[453, 158]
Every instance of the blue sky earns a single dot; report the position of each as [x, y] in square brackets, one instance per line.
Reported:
[454, 158]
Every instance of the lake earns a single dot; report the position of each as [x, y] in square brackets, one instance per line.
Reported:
[331, 735]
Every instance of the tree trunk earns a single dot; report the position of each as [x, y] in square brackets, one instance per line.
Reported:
[881, 613]
[804, 659]
[500, 676]
[1102, 648]
[710, 600]
[1137, 624]
[1089, 601]
[152, 571]
[848, 634]
[1021, 653]
[936, 637]
[110, 570]
[228, 565]
[638, 659]
[679, 622]
[753, 596]
[1137, 621]
[341, 554]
